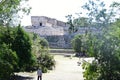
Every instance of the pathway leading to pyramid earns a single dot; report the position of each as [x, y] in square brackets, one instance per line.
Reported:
[66, 69]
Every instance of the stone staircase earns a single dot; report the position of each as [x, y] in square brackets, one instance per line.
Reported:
[61, 51]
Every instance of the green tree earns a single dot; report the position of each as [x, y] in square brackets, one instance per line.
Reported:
[7, 35]
[9, 10]
[81, 22]
[104, 46]
[44, 43]
[46, 61]
[8, 62]
[40, 47]
[9, 59]
[106, 64]
[77, 43]
[80, 44]
[23, 47]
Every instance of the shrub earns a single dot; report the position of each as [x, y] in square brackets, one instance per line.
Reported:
[46, 61]
[8, 62]
[6, 70]
[44, 43]
[79, 45]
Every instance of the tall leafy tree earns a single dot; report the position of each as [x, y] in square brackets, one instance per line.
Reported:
[10, 56]
[105, 45]
[23, 47]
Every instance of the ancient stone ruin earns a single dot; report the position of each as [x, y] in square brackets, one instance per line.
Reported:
[51, 29]
[55, 31]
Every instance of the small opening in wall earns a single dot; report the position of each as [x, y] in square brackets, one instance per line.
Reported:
[40, 24]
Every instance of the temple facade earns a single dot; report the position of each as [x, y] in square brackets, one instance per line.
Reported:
[46, 21]
[55, 31]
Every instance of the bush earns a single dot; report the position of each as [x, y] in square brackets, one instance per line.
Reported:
[44, 43]
[40, 48]
[46, 61]
[79, 46]
[8, 62]
[6, 70]
[77, 43]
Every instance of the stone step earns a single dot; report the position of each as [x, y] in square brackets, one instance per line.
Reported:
[61, 51]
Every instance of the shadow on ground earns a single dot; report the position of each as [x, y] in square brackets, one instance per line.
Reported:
[17, 77]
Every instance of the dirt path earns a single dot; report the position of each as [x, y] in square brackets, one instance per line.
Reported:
[66, 69]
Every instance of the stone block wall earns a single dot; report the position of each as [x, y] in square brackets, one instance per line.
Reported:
[45, 21]
[60, 41]
[56, 32]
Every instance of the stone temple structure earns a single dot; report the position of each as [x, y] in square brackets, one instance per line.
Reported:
[47, 26]
[55, 31]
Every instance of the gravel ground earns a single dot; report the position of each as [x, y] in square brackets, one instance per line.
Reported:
[66, 69]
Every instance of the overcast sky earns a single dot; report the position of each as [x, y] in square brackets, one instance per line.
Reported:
[57, 9]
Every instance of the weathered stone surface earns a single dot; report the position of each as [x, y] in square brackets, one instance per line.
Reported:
[48, 27]
[56, 32]
[45, 21]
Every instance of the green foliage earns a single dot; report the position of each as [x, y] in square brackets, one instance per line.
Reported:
[46, 61]
[44, 43]
[7, 35]
[23, 47]
[39, 45]
[8, 62]
[9, 10]
[40, 48]
[72, 27]
[107, 60]
[9, 53]
[80, 45]
[91, 71]
[19, 42]
[81, 22]
[5, 70]
[77, 43]
[104, 46]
